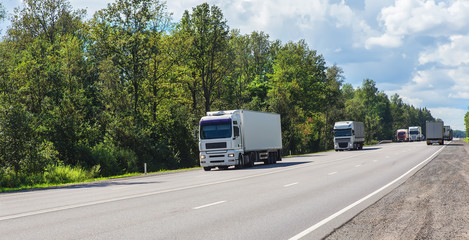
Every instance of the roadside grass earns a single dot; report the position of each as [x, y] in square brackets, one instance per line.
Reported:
[59, 176]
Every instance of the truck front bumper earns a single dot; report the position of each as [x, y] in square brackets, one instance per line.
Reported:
[218, 159]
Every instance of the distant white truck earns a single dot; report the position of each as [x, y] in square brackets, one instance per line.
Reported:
[415, 133]
[349, 135]
[448, 134]
[239, 138]
[435, 132]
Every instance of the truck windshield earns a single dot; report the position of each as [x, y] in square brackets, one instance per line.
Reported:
[212, 129]
[401, 134]
[414, 132]
[342, 132]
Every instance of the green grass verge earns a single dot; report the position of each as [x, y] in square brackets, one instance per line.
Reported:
[82, 181]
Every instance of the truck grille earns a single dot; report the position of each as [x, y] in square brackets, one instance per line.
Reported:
[342, 140]
[215, 145]
[343, 144]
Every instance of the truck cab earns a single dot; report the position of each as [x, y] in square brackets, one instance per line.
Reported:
[220, 140]
[348, 135]
[402, 135]
[415, 133]
[239, 138]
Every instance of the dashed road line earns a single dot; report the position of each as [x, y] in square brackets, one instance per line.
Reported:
[209, 205]
[291, 184]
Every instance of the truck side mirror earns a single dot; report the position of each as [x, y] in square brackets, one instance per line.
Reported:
[236, 131]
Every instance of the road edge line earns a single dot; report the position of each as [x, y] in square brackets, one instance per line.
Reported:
[343, 210]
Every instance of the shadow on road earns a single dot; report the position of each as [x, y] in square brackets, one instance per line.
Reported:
[370, 149]
[455, 144]
[264, 166]
[107, 184]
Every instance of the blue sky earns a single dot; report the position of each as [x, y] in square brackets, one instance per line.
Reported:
[418, 49]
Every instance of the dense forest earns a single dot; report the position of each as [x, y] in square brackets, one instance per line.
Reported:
[105, 95]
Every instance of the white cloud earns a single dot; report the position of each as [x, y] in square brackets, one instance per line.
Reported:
[451, 116]
[454, 53]
[409, 17]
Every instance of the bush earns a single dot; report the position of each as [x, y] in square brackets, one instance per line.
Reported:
[102, 155]
[60, 174]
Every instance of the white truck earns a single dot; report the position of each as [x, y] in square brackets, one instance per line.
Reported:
[448, 135]
[415, 133]
[239, 138]
[348, 135]
[435, 132]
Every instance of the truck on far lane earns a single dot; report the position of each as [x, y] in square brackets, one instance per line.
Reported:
[448, 135]
[348, 135]
[415, 133]
[239, 138]
[402, 135]
[435, 132]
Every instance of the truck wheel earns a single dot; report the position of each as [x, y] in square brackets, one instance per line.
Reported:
[240, 162]
[269, 159]
[207, 168]
[252, 158]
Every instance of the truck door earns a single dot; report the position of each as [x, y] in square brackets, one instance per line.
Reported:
[236, 136]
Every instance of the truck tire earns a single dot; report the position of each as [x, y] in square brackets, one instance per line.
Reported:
[207, 168]
[252, 159]
[269, 159]
[241, 162]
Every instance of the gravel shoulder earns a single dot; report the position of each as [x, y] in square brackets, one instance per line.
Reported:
[432, 204]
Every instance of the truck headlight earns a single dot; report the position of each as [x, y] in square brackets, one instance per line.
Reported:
[231, 155]
[202, 156]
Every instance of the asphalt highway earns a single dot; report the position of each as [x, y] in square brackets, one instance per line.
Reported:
[302, 197]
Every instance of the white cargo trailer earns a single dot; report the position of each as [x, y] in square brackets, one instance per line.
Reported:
[239, 138]
[349, 135]
[435, 132]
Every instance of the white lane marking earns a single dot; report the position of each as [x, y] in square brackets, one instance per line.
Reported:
[357, 165]
[87, 204]
[331, 217]
[332, 173]
[62, 208]
[291, 184]
[209, 205]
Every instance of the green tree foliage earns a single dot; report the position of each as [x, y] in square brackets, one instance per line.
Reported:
[2, 12]
[466, 122]
[208, 54]
[84, 99]
[297, 93]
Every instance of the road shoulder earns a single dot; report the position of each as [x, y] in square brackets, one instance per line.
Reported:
[432, 204]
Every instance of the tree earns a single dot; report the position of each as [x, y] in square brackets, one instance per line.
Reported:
[208, 53]
[2, 12]
[297, 94]
[466, 122]
[127, 33]
[46, 19]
